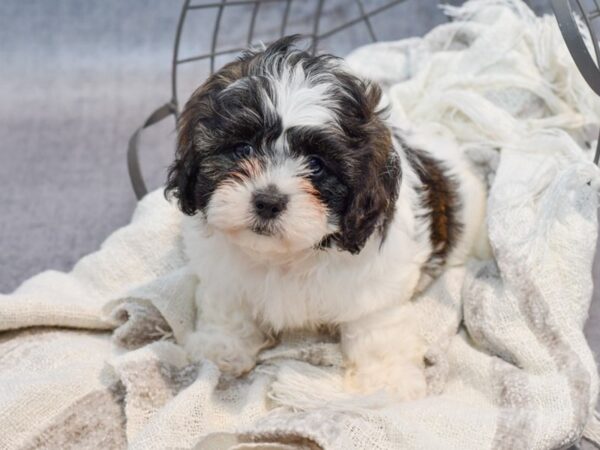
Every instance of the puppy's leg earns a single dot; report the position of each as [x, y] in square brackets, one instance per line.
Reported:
[225, 334]
[384, 351]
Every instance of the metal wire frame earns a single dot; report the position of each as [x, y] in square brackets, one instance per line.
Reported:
[568, 20]
[316, 36]
[171, 108]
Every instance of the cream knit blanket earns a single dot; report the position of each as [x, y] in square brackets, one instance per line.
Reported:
[508, 365]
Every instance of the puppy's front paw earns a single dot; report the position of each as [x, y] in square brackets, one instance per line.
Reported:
[404, 380]
[227, 351]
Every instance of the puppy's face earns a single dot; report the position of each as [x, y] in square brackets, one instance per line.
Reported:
[283, 152]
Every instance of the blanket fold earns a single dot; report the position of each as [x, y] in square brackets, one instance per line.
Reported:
[508, 365]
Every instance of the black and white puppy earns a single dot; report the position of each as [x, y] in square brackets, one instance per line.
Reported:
[306, 209]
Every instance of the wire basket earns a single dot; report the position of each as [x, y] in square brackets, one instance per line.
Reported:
[280, 24]
[280, 21]
[576, 19]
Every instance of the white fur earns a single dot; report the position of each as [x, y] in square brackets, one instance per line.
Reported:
[250, 288]
[302, 100]
[302, 225]
[253, 286]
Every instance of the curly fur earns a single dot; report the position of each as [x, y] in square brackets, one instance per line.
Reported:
[364, 219]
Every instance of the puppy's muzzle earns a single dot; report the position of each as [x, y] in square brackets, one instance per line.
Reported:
[269, 202]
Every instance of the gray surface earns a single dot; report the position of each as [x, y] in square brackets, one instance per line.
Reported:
[76, 78]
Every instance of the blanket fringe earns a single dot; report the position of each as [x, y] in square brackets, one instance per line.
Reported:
[592, 429]
[469, 10]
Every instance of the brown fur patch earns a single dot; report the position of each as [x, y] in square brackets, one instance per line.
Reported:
[439, 195]
[377, 183]
[249, 169]
[314, 196]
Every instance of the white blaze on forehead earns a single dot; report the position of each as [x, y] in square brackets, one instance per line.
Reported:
[302, 101]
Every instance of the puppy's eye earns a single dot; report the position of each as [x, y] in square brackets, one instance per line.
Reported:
[316, 166]
[243, 150]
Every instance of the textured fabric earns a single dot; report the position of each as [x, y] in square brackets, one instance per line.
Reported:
[508, 365]
[56, 393]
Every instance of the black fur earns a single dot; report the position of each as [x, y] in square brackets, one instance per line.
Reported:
[361, 179]
[441, 203]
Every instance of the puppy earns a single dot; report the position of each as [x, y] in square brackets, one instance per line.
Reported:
[307, 209]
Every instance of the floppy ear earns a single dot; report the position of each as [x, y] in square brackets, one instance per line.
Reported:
[372, 206]
[375, 191]
[183, 172]
[183, 179]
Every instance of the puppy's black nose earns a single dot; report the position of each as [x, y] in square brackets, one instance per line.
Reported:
[269, 202]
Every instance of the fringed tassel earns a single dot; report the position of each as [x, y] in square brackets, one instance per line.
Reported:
[592, 429]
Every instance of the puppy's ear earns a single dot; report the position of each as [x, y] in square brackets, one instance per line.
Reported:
[183, 174]
[376, 187]
[372, 206]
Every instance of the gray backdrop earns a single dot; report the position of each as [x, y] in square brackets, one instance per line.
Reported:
[76, 78]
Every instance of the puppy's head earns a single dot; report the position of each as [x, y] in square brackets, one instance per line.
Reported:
[283, 151]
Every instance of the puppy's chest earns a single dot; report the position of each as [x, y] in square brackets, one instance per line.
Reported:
[319, 290]
[292, 297]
